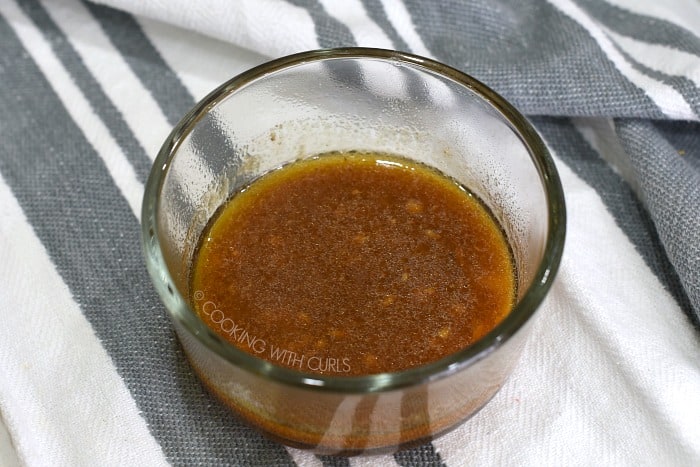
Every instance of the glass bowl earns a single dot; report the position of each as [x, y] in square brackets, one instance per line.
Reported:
[341, 100]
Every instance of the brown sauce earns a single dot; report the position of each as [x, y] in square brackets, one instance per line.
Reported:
[352, 264]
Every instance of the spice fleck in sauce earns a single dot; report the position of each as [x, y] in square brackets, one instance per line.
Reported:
[353, 264]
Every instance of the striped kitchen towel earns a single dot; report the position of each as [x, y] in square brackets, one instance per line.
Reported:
[90, 370]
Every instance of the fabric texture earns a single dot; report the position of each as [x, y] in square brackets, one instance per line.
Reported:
[91, 372]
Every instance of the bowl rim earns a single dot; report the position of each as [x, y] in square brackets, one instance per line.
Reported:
[179, 309]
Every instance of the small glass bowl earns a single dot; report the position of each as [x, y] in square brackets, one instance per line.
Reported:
[340, 100]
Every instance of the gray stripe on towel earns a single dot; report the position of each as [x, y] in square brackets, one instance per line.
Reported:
[93, 239]
[143, 58]
[421, 456]
[645, 28]
[629, 213]
[89, 86]
[532, 54]
[329, 31]
[684, 86]
[376, 12]
[671, 191]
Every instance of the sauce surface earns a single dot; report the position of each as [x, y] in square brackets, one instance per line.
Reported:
[353, 264]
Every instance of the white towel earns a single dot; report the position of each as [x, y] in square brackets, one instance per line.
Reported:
[90, 370]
